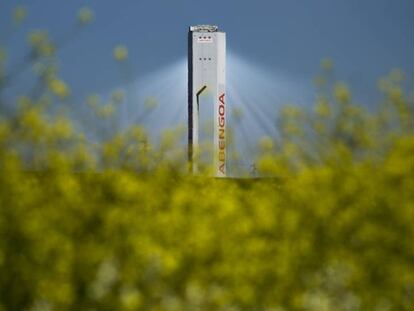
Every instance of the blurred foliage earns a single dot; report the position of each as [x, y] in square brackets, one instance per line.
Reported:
[85, 16]
[120, 53]
[114, 223]
[19, 15]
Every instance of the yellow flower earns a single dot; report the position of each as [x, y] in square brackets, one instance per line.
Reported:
[342, 93]
[131, 298]
[41, 44]
[62, 128]
[85, 16]
[137, 133]
[267, 165]
[4, 131]
[291, 111]
[19, 14]
[59, 88]
[120, 53]
[322, 109]
[327, 64]
[93, 100]
[395, 94]
[266, 143]
[33, 123]
[37, 37]
[106, 111]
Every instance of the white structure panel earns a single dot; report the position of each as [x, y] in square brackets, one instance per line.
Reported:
[207, 99]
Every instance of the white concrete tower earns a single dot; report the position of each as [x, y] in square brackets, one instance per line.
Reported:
[207, 94]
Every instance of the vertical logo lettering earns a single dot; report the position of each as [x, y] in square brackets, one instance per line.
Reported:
[222, 134]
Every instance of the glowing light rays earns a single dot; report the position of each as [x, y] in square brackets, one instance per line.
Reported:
[258, 92]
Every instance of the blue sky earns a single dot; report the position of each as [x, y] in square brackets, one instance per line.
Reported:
[365, 38]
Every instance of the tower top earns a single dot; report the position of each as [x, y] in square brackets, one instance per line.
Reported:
[204, 28]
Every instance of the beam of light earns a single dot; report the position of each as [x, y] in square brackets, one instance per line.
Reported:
[258, 92]
[166, 88]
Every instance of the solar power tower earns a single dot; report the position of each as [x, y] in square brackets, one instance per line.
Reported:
[207, 95]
